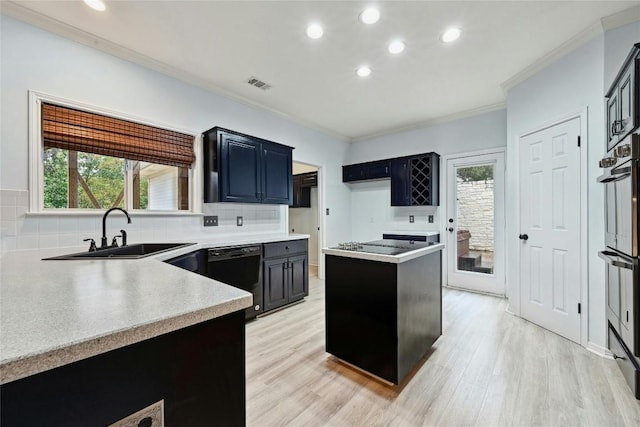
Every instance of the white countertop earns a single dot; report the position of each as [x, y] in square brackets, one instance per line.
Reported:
[413, 233]
[394, 259]
[57, 312]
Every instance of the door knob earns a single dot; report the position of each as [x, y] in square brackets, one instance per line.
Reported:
[523, 237]
[450, 229]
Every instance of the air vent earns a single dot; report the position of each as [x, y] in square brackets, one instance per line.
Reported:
[254, 81]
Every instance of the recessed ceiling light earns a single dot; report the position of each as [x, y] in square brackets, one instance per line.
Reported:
[363, 71]
[315, 31]
[370, 15]
[96, 5]
[396, 46]
[452, 34]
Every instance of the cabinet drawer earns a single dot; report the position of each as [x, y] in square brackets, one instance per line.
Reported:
[283, 249]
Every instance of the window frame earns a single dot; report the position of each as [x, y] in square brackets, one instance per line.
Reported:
[36, 152]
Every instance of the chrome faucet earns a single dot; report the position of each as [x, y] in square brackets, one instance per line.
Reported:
[104, 244]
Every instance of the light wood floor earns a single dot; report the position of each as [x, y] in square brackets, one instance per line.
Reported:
[488, 368]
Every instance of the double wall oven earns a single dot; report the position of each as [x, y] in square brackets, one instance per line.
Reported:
[621, 179]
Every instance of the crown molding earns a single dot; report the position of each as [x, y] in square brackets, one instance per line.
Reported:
[431, 122]
[24, 14]
[607, 23]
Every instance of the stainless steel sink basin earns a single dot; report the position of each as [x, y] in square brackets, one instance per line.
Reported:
[138, 250]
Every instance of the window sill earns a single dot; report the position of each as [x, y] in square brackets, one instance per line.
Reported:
[99, 213]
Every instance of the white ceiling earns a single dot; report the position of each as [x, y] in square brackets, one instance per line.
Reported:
[220, 44]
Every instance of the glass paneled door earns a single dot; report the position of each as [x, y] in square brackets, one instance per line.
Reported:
[475, 222]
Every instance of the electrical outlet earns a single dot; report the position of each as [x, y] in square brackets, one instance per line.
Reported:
[239, 221]
[211, 221]
[411, 219]
[430, 218]
[152, 416]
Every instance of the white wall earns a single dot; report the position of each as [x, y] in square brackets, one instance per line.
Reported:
[33, 59]
[305, 220]
[371, 210]
[563, 88]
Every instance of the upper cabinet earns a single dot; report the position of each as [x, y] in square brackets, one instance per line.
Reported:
[245, 169]
[364, 171]
[414, 179]
[623, 99]
[302, 184]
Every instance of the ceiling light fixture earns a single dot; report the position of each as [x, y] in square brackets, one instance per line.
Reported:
[96, 5]
[396, 47]
[451, 35]
[314, 31]
[363, 71]
[370, 15]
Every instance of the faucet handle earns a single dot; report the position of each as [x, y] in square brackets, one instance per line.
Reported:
[92, 246]
[114, 242]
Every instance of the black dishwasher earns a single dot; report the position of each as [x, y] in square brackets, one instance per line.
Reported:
[239, 266]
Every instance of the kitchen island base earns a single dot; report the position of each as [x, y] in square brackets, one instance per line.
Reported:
[199, 371]
[383, 317]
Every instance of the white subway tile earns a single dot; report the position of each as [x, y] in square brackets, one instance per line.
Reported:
[22, 199]
[8, 213]
[7, 198]
[8, 244]
[71, 239]
[28, 225]
[46, 241]
[68, 225]
[9, 228]
[27, 241]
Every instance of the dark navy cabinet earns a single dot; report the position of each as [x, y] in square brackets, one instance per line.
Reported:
[285, 272]
[302, 184]
[622, 100]
[364, 171]
[245, 169]
[414, 180]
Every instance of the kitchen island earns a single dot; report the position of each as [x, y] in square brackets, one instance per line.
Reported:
[383, 305]
[90, 342]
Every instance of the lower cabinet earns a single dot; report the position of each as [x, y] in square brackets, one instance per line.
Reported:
[285, 272]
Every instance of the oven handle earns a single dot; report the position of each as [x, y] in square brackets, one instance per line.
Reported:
[616, 175]
[614, 259]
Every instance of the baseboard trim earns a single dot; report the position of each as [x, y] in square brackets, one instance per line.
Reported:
[599, 350]
[455, 288]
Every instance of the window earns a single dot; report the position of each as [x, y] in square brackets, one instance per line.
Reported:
[93, 161]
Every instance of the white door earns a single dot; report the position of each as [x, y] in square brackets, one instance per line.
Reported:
[550, 228]
[475, 222]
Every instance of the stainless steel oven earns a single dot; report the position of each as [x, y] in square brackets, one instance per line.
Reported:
[621, 180]
[623, 297]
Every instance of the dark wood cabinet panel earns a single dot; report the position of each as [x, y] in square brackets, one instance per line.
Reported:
[275, 284]
[199, 371]
[623, 100]
[298, 277]
[245, 169]
[415, 180]
[302, 184]
[364, 171]
[286, 272]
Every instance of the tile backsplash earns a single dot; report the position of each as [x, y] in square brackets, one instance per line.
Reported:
[20, 230]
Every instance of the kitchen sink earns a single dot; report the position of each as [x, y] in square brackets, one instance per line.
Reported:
[138, 250]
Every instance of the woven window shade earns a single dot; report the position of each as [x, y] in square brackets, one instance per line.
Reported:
[76, 130]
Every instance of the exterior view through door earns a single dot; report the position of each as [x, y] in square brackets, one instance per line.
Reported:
[475, 222]
[550, 222]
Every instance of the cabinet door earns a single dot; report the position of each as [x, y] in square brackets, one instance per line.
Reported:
[353, 173]
[612, 116]
[298, 272]
[276, 289]
[628, 120]
[400, 182]
[277, 180]
[240, 169]
[296, 192]
[377, 170]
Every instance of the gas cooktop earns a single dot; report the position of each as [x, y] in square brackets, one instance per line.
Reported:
[383, 247]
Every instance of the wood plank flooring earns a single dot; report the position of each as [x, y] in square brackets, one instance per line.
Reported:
[489, 368]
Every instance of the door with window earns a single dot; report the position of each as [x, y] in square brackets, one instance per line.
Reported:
[475, 222]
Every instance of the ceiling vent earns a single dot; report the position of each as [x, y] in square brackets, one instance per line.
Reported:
[254, 81]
